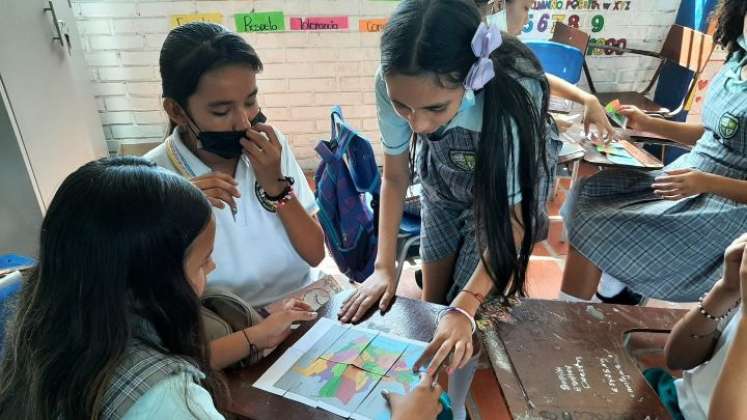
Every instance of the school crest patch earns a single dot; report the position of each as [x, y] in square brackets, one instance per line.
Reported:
[728, 125]
[463, 160]
[266, 204]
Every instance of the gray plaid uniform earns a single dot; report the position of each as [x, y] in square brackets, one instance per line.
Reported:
[142, 367]
[668, 249]
[446, 169]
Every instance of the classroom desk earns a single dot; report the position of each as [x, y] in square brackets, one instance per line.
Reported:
[408, 318]
[534, 336]
[561, 360]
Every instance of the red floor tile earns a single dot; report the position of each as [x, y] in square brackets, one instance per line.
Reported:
[543, 279]
[540, 250]
[556, 230]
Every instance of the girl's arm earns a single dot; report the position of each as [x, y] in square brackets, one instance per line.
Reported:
[594, 112]
[381, 286]
[692, 340]
[454, 333]
[684, 133]
[686, 182]
[304, 231]
[694, 337]
[728, 399]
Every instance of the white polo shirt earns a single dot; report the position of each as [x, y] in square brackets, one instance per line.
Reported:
[253, 254]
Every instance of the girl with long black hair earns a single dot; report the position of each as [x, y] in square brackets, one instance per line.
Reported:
[476, 101]
[108, 325]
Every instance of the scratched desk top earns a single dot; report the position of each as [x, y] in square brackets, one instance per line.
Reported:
[560, 360]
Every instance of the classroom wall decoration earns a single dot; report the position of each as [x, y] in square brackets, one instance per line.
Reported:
[319, 53]
[179, 20]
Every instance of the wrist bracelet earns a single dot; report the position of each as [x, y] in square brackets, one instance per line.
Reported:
[285, 199]
[247, 340]
[444, 311]
[702, 310]
[480, 298]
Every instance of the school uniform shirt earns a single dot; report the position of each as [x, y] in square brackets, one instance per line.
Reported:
[660, 248]
[176, 397]
[695, 388]
[253, 254]
[445, 162]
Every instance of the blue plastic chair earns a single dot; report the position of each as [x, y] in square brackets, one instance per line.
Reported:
[558, 59]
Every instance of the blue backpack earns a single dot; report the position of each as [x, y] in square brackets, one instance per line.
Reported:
[347, 192]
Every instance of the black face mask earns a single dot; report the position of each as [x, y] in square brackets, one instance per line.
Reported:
[226, 144]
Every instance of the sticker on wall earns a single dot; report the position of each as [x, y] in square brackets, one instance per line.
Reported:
[179, 20]
[260, 22]
[318, 23]
[371, 25]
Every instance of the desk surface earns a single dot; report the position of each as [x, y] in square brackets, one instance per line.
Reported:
[407, 318]
[560, 360]
[525, 348]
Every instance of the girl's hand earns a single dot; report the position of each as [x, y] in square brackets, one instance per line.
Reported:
[453, 337]
[262, 146]
[420, 403]
[275, 328]
[594, 113]
[637, 119]
[681, 183]
[219, 188]
[733, 263]
[379, 288]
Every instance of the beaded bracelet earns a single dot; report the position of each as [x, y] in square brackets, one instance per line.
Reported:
[446, 310]
[708, 315]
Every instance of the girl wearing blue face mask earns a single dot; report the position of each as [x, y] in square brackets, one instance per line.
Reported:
[267, 237]
[475, 102]
[661, 233]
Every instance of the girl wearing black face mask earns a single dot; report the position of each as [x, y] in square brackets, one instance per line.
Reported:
[267, 237]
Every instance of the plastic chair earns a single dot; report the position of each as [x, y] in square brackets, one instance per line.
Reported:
[10, 285]
[558, 59]
[408, 241]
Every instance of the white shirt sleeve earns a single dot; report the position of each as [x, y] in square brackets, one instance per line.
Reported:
[291, 168]
[177, 397]
[395, 131]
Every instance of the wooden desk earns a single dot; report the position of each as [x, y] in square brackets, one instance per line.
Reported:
[560, 360]
[408, 318]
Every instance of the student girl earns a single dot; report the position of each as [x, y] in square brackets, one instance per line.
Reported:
[661, 233]
[477, 102]
[511, 16]
[245, 167]
[108, 325]
[708, 344]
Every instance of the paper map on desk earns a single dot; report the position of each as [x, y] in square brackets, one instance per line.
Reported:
[343, 369]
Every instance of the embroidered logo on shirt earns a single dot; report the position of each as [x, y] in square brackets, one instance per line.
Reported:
[266, 204]
[728, 125]
[463, 160]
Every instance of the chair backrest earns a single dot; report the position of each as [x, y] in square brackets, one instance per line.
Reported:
[559, 59]
[568, 35]
[687, 48]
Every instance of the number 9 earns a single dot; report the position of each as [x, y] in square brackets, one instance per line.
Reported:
[597, 23]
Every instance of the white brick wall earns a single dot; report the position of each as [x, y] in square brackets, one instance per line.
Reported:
[305, 72]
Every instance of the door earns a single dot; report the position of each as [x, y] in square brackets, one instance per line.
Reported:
[48, 90]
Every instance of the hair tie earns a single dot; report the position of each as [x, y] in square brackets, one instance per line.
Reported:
[487, 39]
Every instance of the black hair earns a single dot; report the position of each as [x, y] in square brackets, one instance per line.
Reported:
[112, 249]
[729, 17]
[196, 48]
[433, 38]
